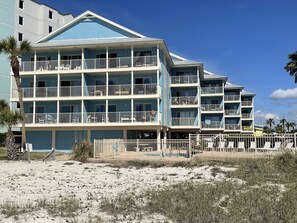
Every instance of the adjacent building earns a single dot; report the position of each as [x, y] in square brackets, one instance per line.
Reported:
[96, 79]
[25, 19]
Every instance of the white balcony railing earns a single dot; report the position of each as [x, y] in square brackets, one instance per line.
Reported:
[117, 90]
[211, 107]
[74, 117]
[231, 112]
[92, 117]
[185, 100]
[145, 61]
[232, 127]
[95, 90]
[46, 92]
[119, 62]
[93, 63]
[191, 79]
[246, 103]
[98, 63]
[46, 118]
[183, 121]
[211, 90]
[247, 128]
[143, 89]
[231, 97]
[72, 91]
[212, 124]
[27, 93]
[70, 65]
[246, 115]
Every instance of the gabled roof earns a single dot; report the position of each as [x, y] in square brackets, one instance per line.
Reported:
[211, 76]
[233, 86]
[89, 15]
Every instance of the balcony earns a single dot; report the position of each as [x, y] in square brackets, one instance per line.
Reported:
[211, 107]
[93, 63]
[46, 92]
[96, 90]
[27, 92]
[183, 121]
[185, 100]
[46, 118]
[145, 61]
[118, 90]
[247, 103]
[247, 128]
[231, 97]
[144, 89]
[92, 117]
[232, 127]
[246, 116]
[231, 112]
[211, 90]
[211, 124]
[90, 64]
[72, 91]
[192, 79]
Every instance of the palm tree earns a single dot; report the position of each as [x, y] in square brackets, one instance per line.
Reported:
[270, 122]
[293, 124]
[291, 66]
[279, 128]
[283, 122]
[288, 125]
[14, 50]
[8, 119]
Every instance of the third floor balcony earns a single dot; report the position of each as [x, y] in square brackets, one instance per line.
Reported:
[89, 64]
[211, 90]
[184, 80]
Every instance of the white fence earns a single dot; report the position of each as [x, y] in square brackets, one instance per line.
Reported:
[197, 143]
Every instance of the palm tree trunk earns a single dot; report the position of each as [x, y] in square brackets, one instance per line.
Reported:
[9, 144]
[20, 94]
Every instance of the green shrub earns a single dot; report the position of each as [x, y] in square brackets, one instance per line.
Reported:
[82, 151]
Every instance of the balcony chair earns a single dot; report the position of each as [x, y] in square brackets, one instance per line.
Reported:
[221, 145]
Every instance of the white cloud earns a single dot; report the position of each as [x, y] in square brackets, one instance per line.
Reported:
[284, 94]
[261, 116]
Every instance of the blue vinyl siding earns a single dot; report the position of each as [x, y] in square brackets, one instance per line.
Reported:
[90, 28]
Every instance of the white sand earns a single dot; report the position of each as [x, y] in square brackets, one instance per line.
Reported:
[23, 183]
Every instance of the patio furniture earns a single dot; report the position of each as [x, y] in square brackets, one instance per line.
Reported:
[209, 146]
[230, 146]
[241, 146]
[253, 147]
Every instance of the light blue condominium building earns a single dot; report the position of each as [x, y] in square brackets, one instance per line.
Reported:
[96, 79]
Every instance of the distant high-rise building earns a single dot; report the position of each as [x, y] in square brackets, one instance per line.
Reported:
[25, 19]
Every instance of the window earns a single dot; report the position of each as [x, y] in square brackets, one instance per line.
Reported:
[50, 14]
[21, 4]
[21, 20]
[50, 29]
[20, 37]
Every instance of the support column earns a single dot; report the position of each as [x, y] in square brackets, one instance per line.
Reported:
[132, 56]
[59, 59]
[132, 83]
[158, 140]
[165, 138]
[106, 111]
[107, 56]
[82, 59]
[132, 110]
[53, 139]
[34, 112]
[58, 111]
[35, 60]
[89, 135]
[34, 86]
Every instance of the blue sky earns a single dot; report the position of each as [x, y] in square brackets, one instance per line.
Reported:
[247, 40]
